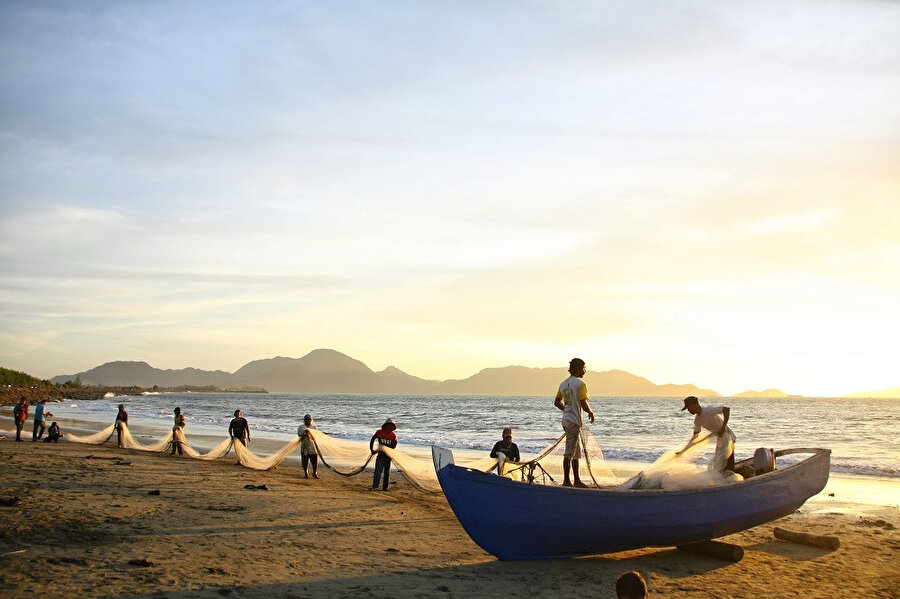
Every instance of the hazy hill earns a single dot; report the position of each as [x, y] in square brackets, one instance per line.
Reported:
[329, 371]
[141, 374]
[520, 380]
[766, 393]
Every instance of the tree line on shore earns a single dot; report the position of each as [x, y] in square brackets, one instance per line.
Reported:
[15, 385]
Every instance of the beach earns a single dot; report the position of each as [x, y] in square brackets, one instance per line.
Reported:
[88, 525]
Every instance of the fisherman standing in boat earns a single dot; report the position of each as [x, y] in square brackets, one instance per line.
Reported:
[715, 420]
[572, 398]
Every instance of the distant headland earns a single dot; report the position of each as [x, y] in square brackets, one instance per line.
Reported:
[330, 371]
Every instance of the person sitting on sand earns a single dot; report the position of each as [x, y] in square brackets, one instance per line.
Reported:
[39, 423]
[121, 418]
[505, 450]
[53, 434]
[386, 437]
[308, 454]
[178, 428]
[20, 415]
[572, 398]
[239, 429]
[715, 420]
[631, 585]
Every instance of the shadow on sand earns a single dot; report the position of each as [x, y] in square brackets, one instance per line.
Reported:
[590, 576]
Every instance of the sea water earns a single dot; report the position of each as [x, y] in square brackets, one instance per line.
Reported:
[863, 434]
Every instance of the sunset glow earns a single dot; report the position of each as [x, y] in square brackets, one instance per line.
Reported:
[694, 193]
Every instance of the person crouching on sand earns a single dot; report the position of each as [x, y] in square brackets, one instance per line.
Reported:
[386, 437]
[239, 429]
[53, 434]
[178, 428]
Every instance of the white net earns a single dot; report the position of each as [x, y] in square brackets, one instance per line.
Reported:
[250, 460]
[672, 470]
[129, 442]
[349, 458]
[219, 451]
[95, 439]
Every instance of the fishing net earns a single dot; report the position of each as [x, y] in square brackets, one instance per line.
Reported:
[675, 470]
[349, 458]
[250, 460]
[129, 442]
[95, 439]
[547, 466]
[219, 451]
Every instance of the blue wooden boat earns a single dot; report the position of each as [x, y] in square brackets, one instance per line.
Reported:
[516, 520]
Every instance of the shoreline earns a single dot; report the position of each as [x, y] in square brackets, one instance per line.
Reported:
[88, 525]
[850, 493]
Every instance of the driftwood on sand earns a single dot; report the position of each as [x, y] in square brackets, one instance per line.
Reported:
[806, 538]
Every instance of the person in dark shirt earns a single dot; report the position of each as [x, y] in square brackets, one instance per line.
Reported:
[53, 434]
[20, 413]
[239, 429]
[121, 418]
[386, 437]
[506, 447]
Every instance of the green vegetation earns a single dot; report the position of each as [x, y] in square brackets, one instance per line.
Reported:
[20, 379]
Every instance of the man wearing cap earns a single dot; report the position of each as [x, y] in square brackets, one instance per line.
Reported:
[308, 455]
[715, 420]
[386, 437]
[572, 398]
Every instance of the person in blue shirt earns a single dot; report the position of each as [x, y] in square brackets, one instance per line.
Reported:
[39, 420]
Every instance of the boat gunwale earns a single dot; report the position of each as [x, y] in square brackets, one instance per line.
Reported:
[601, 491]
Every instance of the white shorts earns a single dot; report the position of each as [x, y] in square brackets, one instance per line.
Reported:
[573, 446]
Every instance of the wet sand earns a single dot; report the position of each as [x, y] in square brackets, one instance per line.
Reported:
[87, 525]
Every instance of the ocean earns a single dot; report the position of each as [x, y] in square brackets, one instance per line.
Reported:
[863, 434]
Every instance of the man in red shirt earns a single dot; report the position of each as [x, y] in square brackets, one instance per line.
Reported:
[386, 437]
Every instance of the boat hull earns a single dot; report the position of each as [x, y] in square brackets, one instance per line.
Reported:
[515, 520]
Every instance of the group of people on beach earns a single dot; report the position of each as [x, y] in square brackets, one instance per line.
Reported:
[239, 431]
[571, 398]
[20, 416]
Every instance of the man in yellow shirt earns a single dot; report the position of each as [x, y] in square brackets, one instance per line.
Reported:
[572, 398]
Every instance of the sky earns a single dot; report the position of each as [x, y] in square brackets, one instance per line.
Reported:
[693, 192]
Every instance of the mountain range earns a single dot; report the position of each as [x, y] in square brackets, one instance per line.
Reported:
[329, 371]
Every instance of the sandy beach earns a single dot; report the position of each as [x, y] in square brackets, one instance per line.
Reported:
[87, 525]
